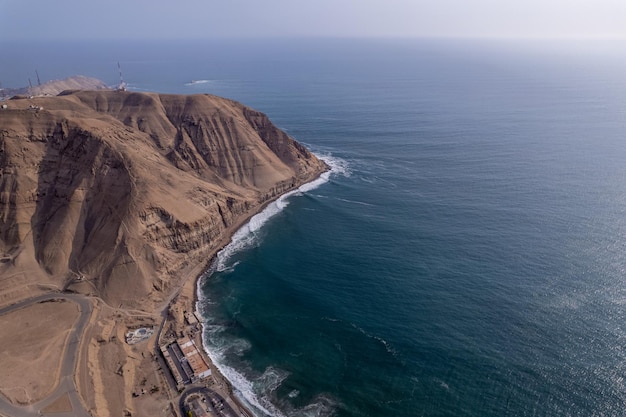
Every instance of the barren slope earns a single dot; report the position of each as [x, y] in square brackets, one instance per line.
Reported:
[114, 193]
[54, 87]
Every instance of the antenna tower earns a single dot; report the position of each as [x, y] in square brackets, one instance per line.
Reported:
[38, 80]
[122, 86]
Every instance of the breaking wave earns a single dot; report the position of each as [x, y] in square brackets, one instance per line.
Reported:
[259, 392]
[247, 235]
[196, 82]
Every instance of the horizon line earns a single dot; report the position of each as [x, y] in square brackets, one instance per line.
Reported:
[568, 37]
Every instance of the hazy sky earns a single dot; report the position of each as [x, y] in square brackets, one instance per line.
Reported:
[88, 19]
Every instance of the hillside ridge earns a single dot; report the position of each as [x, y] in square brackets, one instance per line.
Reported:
[116, 193]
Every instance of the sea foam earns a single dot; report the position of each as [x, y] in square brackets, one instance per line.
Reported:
[247, 235]
[196, 82]
[255, 394]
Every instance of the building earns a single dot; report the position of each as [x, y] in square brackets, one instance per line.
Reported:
[194, 358]
[185, 361]
[175, 366]
[191, 318]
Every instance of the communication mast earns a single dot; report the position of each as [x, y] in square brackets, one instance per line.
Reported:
[38, 80]
[122, 86]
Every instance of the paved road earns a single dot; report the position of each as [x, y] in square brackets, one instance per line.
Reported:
[66, 381]
[225, 411]
[157, 351]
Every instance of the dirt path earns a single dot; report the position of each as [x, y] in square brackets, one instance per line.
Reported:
[65, 385]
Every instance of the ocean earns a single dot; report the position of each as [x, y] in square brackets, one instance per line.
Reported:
[466, 254]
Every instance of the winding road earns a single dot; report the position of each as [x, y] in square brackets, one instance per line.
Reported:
[225, 411]
[66, 383]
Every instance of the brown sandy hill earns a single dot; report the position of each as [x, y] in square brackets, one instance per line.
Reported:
[54, 87]
[115, 193]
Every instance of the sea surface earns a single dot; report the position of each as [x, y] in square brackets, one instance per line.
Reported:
[466, 254]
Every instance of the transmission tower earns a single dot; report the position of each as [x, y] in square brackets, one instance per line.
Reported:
[122, 86]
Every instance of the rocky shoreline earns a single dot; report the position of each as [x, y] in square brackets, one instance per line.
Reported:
[218, 383]
[125, 198]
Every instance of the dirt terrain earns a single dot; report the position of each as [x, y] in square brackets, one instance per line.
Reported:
[54, 87]
[124, 198]
[31, 347]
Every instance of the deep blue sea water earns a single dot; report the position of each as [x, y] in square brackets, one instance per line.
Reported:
[465, 257]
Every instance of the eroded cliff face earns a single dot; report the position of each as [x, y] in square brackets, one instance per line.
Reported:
[115, 193]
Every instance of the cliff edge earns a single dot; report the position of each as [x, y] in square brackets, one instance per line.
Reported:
[114, 193]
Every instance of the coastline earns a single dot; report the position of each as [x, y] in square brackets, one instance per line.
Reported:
[188, 296]
[171, 247]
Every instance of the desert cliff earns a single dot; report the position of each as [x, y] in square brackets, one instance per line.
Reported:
[114, 193]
